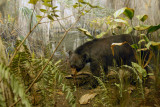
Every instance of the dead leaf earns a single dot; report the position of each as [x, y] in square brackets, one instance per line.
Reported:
[152, 77]
[86, 98]
[156, 105]
[111, 73]
[116, 44]
[79, 75]
[146, 90]
[60, 93]
[149, 59]
[130, 89]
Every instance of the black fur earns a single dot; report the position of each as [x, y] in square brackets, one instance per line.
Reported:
[98, 53]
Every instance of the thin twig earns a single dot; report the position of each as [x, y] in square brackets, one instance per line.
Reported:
[39, 74]
[31, 18]
[16, 50]
[56, 20]
[48, 60]
[61, 24]
[1, 80]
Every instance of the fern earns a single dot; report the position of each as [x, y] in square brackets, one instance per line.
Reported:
[21, 63]
[18, 89]
[26, 12]
[140, 73]
[70, 97]
[3, 57]
[100, 83]
[52, 79]
[66, 89]
[2, 101]
[104, 98]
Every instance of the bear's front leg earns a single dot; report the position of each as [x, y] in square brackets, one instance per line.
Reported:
[95, 68]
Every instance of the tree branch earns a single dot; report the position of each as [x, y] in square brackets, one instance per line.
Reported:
[16, 50]
[39, 74]
[48, 60]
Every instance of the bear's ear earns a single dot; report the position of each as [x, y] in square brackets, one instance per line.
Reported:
[70, 53]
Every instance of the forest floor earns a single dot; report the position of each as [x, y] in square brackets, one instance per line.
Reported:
[132, 97]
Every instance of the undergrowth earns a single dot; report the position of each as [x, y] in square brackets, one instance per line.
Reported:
[23, 70]
[20, 79]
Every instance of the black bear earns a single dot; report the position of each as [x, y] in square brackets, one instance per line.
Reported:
[99, 54]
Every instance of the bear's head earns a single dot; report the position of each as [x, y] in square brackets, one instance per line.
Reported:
[77, 62]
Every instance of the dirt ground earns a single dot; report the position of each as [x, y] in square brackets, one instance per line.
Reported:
[152, 98]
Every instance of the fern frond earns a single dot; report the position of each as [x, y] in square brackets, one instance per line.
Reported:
[52, 77]
[100, 83]
[21, 63]
[2, 101]
[18, 89]
[137, 69]
[70, 97]
[3, 57]
[26, 12]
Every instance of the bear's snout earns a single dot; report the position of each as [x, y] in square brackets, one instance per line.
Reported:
[73, 72]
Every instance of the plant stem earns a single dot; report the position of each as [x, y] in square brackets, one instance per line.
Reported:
[16, 50]
[39, 74]
[31, 18]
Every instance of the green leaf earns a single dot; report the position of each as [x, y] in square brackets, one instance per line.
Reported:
[139, 69]
[38, 16]
[126, 11]
[75, 5]
[86, 11]
[129, 30]
[135, 46]
[60, 79]
[129, 13]
[93, 6]
[100, 35]
[50, 17]
[56, 76]
[86, 33]
[82, 13]
[47, 0]
[47, 4]
[68, 94]
[121, 21]
[152, 43]
[63, 87]
[118, 85]
[6, 73]
[155, 43]
[119, 12]
[142, 40]
[58, 62]
[43, 10]
[148, 45]
[33, 2]
[142, 27]
[55, 10]
[142, 17]
[56, 15]
[21, 91]
[54, 7]
[80, 1]
[145, 37]
[83, 2]
[153, 29]
[16, 87]
[151, 74]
